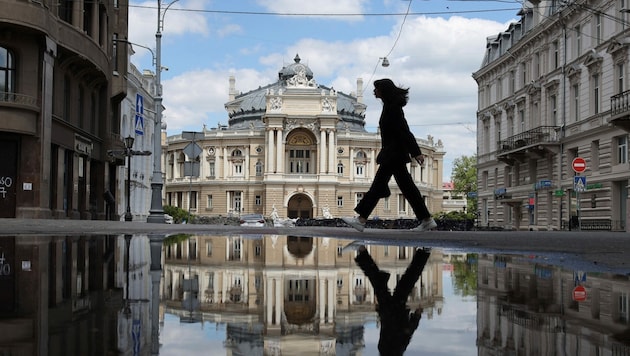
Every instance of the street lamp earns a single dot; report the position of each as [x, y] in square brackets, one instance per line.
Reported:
[128, 152]
[156, 213]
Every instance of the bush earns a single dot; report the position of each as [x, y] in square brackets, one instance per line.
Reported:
[178, 214]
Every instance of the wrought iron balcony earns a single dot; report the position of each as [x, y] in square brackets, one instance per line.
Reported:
[620, 110]
[534, 143]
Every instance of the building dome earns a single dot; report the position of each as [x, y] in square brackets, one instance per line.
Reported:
[246, 110]
[295, 68]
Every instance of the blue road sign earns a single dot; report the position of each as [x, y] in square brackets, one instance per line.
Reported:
[579, 183]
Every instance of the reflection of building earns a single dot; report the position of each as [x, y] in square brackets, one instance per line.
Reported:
[284, 292]
[295, 145]
[61, 82]
[552, 87]
[58, 295]
[527, 312]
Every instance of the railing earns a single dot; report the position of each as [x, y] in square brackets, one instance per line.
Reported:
[541, 134]
[14, 98]
[620, 103]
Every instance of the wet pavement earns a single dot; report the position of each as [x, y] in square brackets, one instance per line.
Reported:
[598, 250]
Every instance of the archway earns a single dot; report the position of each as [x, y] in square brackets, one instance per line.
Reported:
[300, 206]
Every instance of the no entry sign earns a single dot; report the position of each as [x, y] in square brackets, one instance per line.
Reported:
[578, 164]
[579, 293]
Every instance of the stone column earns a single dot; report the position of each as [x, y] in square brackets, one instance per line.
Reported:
[330, 301]
[322, 304]
[270, 166]
[226, 167]
[246, 164]
[269, 299]
[322, 151]
[279, 151]
[279, 296]
[332, 147]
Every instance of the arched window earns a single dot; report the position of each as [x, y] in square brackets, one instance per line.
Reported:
[237, 153]
[340, 169]
[7, 75]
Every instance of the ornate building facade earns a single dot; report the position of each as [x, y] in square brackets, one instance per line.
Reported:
[553, 87]
[293, 145]
[61, 84]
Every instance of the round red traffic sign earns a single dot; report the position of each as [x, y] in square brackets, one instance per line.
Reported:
[579, 294]
[578, 164]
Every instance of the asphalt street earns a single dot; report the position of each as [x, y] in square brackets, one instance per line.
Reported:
[589, 250]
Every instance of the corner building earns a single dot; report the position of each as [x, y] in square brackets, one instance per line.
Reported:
[295, 146]
[61, 83]
[551, 88]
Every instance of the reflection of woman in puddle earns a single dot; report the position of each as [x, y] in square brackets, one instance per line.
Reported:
[398, 323]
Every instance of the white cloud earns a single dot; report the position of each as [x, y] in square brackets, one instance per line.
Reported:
[317, 7]
[434, 57]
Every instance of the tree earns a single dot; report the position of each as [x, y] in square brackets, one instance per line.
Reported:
[464, 178]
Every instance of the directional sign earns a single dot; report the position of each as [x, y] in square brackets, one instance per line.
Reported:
[578, 164]
[192, 150]
[579, 183]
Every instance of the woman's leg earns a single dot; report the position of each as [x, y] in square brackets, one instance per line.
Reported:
[378, 189]
[410, 191]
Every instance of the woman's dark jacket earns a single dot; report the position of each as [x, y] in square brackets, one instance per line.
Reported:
[398, 143]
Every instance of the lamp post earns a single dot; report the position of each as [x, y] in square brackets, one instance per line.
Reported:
[156, 213]
[128, 152]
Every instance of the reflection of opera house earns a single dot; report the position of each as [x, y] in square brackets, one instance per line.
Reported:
[287, 294]
[525, 311]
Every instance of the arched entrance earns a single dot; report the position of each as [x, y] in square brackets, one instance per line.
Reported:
[300, 206]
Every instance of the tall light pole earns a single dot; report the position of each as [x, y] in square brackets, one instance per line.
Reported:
[128, 152]
[156, 213]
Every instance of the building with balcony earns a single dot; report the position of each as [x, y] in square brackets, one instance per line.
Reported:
[295, 146]
[60, 91]
[551, 88]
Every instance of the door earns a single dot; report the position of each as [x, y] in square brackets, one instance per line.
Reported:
[8, 178]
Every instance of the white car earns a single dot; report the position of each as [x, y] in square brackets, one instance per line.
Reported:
[252, 220]
[168, 219]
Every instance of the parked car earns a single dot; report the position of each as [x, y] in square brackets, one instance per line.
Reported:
[252, 220]
[168, 219]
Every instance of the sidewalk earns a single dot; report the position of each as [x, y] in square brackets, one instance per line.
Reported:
[600, 248]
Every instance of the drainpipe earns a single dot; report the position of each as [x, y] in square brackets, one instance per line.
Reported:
[564, 121]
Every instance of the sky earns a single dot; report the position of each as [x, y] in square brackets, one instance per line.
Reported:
[433, 48]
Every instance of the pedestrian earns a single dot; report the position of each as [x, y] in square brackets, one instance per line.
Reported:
[398, 322]
[398, 145]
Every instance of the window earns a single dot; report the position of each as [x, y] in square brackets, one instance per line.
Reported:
[578, 40]
[211, 170]
[553, 106]
[339, 201]
[623, 307]
[340, 169]
[402, 204]
[7, 74]
[555, 55]
[238, 169]
[524, 73]
[596, 101]
[512, 82]
[339, 282]
[622, 149]
[299, 161]
[259, 169]
[620, 76]
[339, 250]
[257, 250]
[360, 170]
[359, 197]
[598, 28]
[595, 154]
[521, 115]
[576, 102]
[193, 200]
[209, 201]
[386, 203]
[208, 248]
[258, 200]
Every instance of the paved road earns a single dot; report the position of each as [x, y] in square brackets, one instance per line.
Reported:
[584, 249]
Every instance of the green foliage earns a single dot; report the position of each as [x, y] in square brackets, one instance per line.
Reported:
[465, 275]
[178, 214]
[464, 178]
[175, 239]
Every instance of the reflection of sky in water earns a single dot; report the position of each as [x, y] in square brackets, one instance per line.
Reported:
[454, 332]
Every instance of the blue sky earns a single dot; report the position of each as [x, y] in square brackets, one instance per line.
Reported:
[433, 50]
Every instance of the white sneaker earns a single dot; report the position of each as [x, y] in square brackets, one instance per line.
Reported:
[355, 223]
[425, 225]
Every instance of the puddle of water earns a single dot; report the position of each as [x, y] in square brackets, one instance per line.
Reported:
[273, 295]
